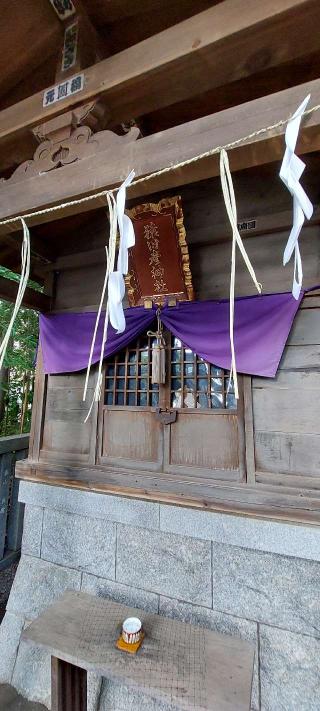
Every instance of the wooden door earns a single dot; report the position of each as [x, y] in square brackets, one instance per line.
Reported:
[192, 425]
[206, 438]
[131, 436]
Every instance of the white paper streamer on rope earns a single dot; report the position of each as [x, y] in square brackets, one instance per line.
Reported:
[231, 207]
[113, 285]
[116, 288]
[25, 270]
[290, 173]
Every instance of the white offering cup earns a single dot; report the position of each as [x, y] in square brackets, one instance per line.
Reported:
[131, 630]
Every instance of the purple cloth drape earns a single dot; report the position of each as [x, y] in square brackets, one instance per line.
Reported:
[262, 326]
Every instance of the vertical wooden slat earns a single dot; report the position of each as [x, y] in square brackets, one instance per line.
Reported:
[126, 376]
[6, 470]
[38, 408]
[195, 381]
[249, 432]
[115, 379]
[182, 354]
[16, 513]
[241, 432]
[137, 371]
[165, 388]
[68, 686]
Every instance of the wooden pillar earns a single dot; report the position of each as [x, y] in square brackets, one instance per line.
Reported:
[68, 686]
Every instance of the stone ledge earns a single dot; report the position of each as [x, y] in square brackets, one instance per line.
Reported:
[270, 536]
[298, 541]
[88, 503]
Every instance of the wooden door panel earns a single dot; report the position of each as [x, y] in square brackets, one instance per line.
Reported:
[65, 435]
[205, 444]
[132, 437]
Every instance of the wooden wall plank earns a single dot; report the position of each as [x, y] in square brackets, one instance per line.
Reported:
[286, 411]
[300, 358]
[65, 434]
[210, 267]
[288, 453]
[301, 379]
[306, 328]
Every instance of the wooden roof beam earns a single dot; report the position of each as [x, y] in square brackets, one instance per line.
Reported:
[29, 32]
[221, 44]
[32, 299]
[109, 167]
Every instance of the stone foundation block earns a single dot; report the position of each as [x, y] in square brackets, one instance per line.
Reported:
[175, 566]
[290, 671]
[37, 584]
[269, 588]
[10, 631]
[79, 542]
[32, 673]
[120, 593]
[32, 530]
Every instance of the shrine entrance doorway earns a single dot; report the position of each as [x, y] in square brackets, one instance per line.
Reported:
[191, 425]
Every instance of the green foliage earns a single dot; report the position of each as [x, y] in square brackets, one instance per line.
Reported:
[17, 375]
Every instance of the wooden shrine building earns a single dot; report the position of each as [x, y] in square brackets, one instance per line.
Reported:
[173, 496]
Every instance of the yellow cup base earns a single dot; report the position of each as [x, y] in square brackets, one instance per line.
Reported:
[129, 648]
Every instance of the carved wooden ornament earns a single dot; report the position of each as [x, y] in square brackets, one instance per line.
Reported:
[82, 143]
[159, 267]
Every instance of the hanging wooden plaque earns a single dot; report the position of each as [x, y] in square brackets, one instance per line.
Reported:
[159, 268]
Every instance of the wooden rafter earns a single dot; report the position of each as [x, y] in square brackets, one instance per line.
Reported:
[166, 148]
[219, 45]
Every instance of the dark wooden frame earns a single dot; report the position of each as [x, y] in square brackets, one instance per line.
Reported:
[68, 686]
[163, 463]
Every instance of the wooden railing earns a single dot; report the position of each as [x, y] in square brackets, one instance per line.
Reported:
[11, 511]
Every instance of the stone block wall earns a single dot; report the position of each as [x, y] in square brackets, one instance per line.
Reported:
[258, 580]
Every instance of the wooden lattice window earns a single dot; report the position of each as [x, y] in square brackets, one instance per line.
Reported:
[191, 381]
[128, 376]
[194, 383]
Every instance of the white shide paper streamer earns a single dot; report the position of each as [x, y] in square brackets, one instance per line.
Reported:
[290, 173]
[231, 207]
[114, 284]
